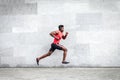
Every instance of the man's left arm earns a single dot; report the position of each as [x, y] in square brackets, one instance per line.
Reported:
[64, 36]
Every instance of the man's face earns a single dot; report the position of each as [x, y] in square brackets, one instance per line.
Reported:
[62, 29]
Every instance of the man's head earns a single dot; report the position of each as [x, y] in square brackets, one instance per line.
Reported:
[61, 28]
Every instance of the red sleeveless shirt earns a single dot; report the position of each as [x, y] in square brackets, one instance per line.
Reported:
[59, 34]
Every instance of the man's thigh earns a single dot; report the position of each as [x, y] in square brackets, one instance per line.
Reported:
[62, 47]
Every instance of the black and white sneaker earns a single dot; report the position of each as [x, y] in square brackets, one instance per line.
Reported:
[65, 62]
[37, 61]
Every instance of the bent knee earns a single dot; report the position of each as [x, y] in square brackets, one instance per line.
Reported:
[49, 53]
[65, 49]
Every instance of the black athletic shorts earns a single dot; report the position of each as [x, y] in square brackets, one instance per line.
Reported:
[55, 46]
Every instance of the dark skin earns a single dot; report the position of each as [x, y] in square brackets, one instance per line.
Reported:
[64, 49]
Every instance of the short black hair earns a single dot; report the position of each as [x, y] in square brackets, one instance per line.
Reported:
[60, 26]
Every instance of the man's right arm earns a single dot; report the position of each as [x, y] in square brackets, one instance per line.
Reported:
[53, 33]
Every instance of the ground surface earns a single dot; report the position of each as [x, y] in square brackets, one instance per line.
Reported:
[59, 73]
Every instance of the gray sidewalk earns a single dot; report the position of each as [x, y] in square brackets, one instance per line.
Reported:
[59, 73]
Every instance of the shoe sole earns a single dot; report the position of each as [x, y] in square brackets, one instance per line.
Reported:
[65, 62]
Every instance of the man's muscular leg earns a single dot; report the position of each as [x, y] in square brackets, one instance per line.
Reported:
[64, 54]
[43, 56]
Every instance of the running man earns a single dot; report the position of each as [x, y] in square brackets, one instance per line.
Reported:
[57, 35]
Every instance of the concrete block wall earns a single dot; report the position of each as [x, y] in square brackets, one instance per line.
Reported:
[93, 26]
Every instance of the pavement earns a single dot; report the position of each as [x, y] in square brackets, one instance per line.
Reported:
[59, 73]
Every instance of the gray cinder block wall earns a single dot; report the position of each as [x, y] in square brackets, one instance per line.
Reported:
[93, 26]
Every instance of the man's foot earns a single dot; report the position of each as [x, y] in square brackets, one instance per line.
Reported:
[37, 61]
[65, 62]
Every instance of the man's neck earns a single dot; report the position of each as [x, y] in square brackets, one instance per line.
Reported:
[61, 31]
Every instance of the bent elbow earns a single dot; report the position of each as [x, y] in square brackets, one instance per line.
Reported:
[63, 38]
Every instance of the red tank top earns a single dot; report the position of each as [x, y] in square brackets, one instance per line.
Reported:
[59, 35]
